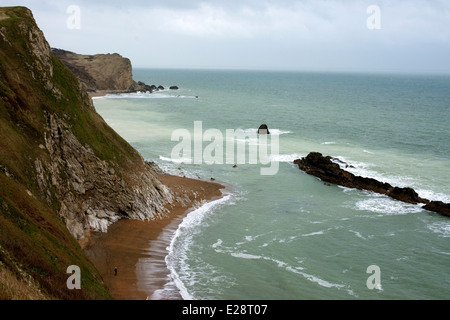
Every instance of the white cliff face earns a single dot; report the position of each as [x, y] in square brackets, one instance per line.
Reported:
[92, 193]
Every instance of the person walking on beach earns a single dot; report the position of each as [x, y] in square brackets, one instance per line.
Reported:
[115, 271]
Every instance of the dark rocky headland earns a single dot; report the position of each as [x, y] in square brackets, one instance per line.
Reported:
[328, 170]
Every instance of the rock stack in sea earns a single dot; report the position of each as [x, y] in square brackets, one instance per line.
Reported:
[263, 129]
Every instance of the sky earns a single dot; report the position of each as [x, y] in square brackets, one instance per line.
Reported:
[298, 35]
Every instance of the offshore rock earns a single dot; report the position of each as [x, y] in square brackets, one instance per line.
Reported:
[263, 129]
[326, 169]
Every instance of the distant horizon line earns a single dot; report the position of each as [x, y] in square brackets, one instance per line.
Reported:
[318, 71]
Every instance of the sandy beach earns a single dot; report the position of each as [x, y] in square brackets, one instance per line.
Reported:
[128, 241]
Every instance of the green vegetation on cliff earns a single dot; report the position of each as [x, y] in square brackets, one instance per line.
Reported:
[34, 241]
[63, 170]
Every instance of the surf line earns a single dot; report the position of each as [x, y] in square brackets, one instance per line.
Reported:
[194, 218]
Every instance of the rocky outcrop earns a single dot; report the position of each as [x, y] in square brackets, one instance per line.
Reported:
[142, 87]
[328, 170]
[438, 206]
[93, 194]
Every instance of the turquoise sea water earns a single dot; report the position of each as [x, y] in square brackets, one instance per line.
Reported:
[289, 235]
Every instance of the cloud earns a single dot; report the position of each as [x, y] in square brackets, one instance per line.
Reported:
[211, 20]
[255, 33]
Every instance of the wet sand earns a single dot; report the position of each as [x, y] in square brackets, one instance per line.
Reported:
[137, 248]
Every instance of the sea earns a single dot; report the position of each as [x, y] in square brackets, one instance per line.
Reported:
[287, 235]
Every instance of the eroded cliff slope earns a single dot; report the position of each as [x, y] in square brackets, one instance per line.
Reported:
[63, 170]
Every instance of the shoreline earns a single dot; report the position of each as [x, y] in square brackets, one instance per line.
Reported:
[138, 248]
[103, 93]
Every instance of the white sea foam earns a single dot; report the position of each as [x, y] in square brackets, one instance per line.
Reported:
[312, 278]
[145, 95]
[218, 243]
[181, 160]
[289, 158]
[359, 235]
[249, 238]
[363, 169]
[281, 264]
[275, 132]
[245, 256]
[328, 143]
[387, 206]
[313, 234]
[176, 259]
[442, 228]
[433, 196]
[252, 139]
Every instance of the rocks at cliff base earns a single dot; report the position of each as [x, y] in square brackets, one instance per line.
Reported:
[328, 170]
[263, 129]
[174, 88]
[141, 87]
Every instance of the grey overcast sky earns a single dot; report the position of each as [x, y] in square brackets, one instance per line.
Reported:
[323, 35]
